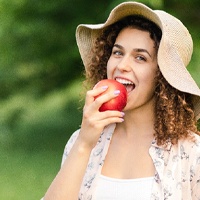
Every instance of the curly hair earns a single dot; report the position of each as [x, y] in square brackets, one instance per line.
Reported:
[173, 109]
[174, 113]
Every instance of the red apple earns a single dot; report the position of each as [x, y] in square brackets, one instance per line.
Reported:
[117, 103]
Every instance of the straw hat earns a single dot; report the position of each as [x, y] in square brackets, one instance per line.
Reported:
[174, 52]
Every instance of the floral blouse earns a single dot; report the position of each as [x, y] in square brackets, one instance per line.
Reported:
[177, 167]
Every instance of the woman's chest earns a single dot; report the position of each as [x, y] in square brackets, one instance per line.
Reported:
[128, 162]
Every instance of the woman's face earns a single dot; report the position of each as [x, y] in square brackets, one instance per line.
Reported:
[133, 62]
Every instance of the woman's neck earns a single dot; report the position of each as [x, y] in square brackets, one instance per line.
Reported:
[139, 122]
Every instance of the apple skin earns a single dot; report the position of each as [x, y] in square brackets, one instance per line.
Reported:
[117, 103]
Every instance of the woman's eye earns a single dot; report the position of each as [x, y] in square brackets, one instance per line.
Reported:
[141, 58]
[117, 53]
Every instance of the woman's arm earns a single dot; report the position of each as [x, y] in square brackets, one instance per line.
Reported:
[67, 183]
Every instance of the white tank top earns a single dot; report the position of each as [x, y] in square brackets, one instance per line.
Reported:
[123, 189]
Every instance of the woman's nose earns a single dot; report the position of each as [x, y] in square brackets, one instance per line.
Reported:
[124, 64]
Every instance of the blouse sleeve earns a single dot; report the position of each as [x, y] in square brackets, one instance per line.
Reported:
[195, 171]
[69, 145]
[196, 184]
[196, 192]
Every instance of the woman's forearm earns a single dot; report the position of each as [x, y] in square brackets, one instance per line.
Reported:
[66, 184]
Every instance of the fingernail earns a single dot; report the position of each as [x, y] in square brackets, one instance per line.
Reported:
[116, 92]
[104, 87]
[122, 119]
[122, 114]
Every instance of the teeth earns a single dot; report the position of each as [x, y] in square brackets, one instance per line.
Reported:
[124, 81]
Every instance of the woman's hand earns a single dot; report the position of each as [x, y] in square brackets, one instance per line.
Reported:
[94, 121]
[67, 183]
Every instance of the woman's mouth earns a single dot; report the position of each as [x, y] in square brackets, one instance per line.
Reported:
[127, 83]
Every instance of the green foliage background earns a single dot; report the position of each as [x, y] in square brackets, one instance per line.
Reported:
[40, 83]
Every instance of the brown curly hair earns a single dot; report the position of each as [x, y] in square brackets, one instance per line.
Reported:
[174, 113]
[173, 109]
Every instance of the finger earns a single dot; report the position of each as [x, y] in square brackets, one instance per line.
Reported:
[102, 117]
[92, 129]
[113, 120]
[91, 94]
[110, 113]
[105, 98]
[94, 119]
[105, 122]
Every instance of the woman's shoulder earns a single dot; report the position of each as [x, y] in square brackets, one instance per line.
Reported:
[191, 145]
[70, 144]
[196, 143]
[195, 139]
[196, 136]
[72, 139]
[74, 136]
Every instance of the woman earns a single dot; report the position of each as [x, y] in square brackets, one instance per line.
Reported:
[151, 150]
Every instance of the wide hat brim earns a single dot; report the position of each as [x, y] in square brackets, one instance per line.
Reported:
[174, 52]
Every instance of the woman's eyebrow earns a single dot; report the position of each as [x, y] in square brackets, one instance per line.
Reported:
[142, 50]
[118, 46]
[135, 49]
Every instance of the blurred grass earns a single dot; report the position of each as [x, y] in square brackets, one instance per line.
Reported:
[26, 176]
[33, 133]
[29, 121]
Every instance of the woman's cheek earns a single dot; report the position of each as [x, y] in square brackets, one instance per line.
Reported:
[110, 69]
